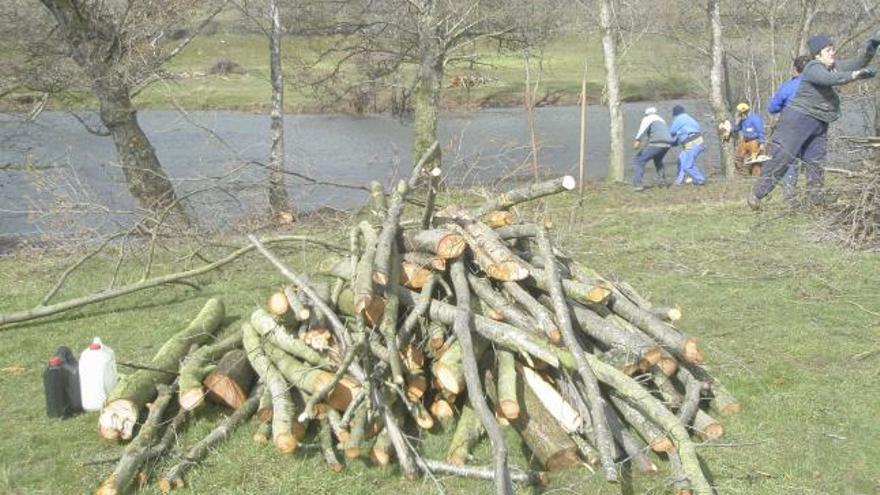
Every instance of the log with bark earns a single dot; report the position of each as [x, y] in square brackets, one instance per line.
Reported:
[125, 402]
[480, 323]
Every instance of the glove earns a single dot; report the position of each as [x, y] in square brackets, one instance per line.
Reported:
[866, 73]
[636, 145]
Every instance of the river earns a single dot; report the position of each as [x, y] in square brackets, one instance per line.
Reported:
[71, 179]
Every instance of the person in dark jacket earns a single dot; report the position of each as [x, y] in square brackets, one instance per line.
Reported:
[803, 127]
[655, 133]
[778, 101]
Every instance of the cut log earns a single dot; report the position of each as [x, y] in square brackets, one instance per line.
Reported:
[136, 452]
[441, 242]
[380, 453]
[309, 380]
[706, 427]
[194, 369]
[508, 403]
[282, 404]
[594, 397]
[327, 449]
[653, 436]
[497, 219]
[496, 301]
[577, 291]
[467, 434]
[300, 311]
[363, 275]
[278, 335]
[479, 472]
[564, 414]
[541, 432]
[413, 276]
[131, 394]
[462, 326]
[231, 380]
[448, 369]
[526, 193]
[540, 313]
[490, 252]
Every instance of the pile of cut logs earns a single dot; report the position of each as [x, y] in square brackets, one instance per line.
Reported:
[468, 324]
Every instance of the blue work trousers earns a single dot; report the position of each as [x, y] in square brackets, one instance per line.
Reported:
[649, 153]
[798, 135]
[687, 164]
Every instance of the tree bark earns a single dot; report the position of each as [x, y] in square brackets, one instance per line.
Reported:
[231, 382]
[719, 108]
[612, 93]
[427, 94]
[279, 203]
[96, 47]
[193, 370]
[123, 406]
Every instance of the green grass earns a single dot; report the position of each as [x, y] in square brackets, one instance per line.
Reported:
[649, 70]
[780, 316]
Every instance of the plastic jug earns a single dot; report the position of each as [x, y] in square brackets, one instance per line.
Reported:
[97, 375]
[61, 385]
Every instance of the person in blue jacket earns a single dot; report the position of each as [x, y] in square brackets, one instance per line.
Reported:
[686, 132]
[778, 101]
[803, 128]
[750, 128]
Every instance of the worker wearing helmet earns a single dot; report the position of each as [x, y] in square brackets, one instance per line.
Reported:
[750, 128]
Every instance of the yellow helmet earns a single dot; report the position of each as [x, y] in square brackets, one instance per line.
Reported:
[742, 107]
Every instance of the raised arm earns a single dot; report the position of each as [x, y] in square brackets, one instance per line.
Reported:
[863, 59]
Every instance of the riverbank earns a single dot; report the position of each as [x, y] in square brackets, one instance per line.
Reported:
[788, 324]
[229, 71]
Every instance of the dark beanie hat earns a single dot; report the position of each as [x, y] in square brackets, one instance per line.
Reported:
[677, 109]
[817, 43]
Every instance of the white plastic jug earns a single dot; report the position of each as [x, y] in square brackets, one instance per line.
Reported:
[97, 374]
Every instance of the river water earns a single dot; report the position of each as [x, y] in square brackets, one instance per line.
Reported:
[71, 179]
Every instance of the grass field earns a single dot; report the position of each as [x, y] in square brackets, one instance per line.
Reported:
[792, 327]
[649, 70]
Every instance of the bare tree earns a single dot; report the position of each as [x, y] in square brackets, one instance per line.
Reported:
[279, 202]
[612, 92]
[118, 49]
[719, 106]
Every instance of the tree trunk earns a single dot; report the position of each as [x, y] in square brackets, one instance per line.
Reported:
[95, 47]
[719, 109]
[612, 88]
[279, 203]
[427, 94]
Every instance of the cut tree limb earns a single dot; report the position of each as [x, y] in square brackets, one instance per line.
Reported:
[173, 477]
[462, 329]
[136, 453]
[193, 370]
[526, 193]
[121, 410]
[595, 399]
[230, 382]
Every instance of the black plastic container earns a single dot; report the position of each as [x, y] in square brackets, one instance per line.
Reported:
[61, 385]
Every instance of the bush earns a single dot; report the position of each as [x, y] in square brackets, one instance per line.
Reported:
[225, 66]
